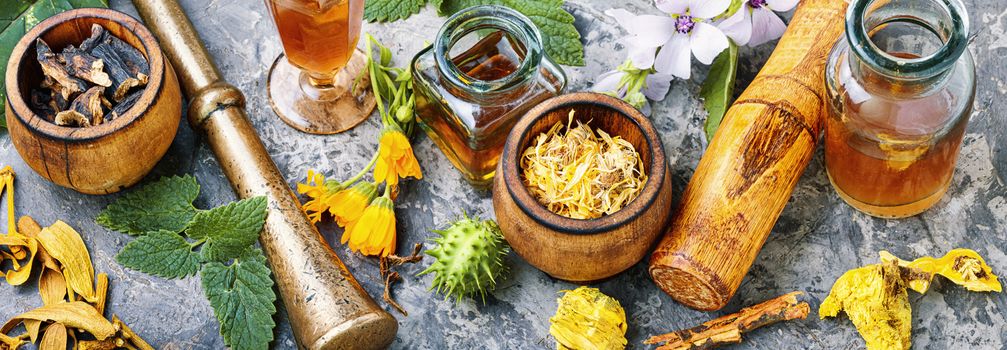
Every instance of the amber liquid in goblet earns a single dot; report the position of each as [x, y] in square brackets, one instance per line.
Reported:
[312, 87]
[318, 36]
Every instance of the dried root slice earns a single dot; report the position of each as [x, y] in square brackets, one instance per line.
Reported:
[85, 66]
[728, 329]
[54, 69]
[72, 119]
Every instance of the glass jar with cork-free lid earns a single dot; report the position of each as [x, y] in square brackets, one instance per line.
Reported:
[900, 88]
[486, 68]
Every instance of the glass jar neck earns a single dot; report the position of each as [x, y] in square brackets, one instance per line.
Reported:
[489, 17]
[906, 41]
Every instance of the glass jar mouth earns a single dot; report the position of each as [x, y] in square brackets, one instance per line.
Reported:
[488, 17]
[952, 29]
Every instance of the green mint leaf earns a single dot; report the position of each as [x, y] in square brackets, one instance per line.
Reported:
[242, 299]
[391, 10]
[718, 89]
[230, 229]
[160, 253]
[560, 38]
[162, 205]
[18, 16]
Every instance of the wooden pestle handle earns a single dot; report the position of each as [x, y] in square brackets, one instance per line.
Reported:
[747, 174]
[326, 306]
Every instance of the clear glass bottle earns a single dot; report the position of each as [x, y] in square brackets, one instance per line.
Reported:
[900, 88]
[486, 69]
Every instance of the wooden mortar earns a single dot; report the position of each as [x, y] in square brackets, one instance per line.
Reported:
[107, 157]
[582, 250]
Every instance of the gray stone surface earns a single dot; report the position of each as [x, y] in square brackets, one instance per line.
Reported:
[817, 238]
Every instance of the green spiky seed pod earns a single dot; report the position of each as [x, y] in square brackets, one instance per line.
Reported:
[469, 258]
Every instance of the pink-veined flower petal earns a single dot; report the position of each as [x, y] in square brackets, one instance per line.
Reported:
[707, 42]
[766, 27]
[672, 6]
[608, 82]
[738, 27]
[675, 57]
[708, 8]
[657, 86]
[782, 5]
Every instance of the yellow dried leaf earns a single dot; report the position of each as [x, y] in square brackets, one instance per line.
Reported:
[962, 266]
[32, 326]
[875, 299]
[101, 291]
[55, 338]
[20, 273]
[588, 319]
[66, 246]
[75, 314]
[51, 286]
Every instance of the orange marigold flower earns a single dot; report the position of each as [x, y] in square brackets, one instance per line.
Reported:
[374, 233]
[320, 191]
[395, 158]
[348, 205]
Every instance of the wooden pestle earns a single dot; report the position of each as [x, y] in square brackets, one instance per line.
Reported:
[747, 174]
[326, 306]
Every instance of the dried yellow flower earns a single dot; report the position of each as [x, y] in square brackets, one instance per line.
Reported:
[875, 299]
[582, 173]
[55, 338]
[587, 319]
[64, 244]
[962, 266]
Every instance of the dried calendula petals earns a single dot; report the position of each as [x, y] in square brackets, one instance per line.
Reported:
[65, 245]
[962, 266]
[582, 173]
[587, 319]
[75, 314]
[875, 299]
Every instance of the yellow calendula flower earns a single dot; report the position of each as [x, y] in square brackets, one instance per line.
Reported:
[348, 205]
[320, 191]
[374, 232]
[395, 158]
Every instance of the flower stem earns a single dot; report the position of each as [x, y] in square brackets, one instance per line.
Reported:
[362, 172]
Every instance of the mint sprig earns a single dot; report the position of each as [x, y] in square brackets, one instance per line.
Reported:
[218, 243]
[561, 38]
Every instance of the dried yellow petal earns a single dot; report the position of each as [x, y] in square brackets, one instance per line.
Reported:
[75, 314]
[962, 266]
[875, 299]
[66, 246]
[32, 326]
[55, 338]
[20, 273]
[21, 247]
[581, 173]
[51, 286]
[587, 319]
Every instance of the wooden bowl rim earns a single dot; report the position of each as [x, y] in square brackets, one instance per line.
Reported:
[542, 215]
[41, 126]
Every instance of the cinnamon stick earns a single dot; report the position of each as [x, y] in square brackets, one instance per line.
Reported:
[728, 329]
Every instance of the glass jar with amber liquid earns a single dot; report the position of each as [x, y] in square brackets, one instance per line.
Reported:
[900, 89]
[486, 69]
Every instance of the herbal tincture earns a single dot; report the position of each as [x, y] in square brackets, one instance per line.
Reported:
[484, 71]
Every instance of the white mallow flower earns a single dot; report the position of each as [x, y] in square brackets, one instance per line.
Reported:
[634, 85]
[755, 23]
[686, 31]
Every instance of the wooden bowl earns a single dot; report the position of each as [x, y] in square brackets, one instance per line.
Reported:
[108, 157]
[583, 250]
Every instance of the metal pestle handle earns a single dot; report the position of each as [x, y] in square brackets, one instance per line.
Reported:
[326, 306]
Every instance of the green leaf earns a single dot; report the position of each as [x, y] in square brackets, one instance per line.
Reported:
[229, 230]
[560, 38]
[391, 10]
[162, 205]
[160, 253]
[242, 299]
[718, 89]
[17, 17]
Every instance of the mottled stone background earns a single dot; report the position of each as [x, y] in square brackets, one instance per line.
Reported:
[817, 238]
